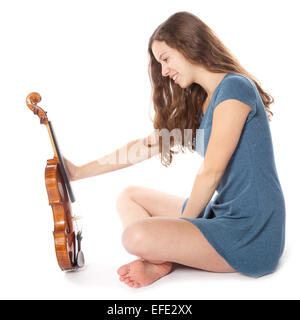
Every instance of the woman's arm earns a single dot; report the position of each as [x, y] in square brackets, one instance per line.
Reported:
[133, 152]
[228, 122]
[204, 187]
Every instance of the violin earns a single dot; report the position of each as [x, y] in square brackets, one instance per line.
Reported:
[67, 240]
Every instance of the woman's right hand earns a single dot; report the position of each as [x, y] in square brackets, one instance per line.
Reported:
[72, 170]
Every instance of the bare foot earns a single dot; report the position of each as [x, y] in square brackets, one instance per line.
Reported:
[139, 273]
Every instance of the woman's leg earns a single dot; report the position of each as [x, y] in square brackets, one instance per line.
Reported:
[135, 206]
[167, 239]
[136, 202]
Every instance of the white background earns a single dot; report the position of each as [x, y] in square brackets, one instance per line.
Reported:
[88, 60]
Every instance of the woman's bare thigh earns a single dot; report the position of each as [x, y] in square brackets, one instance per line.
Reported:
[179, 241]
[156, 203]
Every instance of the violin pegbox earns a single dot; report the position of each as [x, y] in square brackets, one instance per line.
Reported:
[32, 100]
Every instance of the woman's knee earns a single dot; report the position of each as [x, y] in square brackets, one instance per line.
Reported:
[124, 196]
[134, 238]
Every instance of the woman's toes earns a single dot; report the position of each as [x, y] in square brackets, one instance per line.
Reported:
[123, 270]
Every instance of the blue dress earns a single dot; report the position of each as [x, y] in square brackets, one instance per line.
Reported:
[245, 220]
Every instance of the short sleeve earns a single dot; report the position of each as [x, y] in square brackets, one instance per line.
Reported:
[239, 88]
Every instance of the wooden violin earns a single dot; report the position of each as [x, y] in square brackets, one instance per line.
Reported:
[67, 240]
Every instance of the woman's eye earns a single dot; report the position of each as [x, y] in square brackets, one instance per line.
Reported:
[165, 60]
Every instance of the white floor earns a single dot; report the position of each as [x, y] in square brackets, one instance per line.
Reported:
[42, 279]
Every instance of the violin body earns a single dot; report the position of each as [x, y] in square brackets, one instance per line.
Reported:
[64, 235]
[67, 241]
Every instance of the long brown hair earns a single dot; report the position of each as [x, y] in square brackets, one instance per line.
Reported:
[181, 108]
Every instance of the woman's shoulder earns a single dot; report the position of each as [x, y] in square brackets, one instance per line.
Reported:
[237, 85]
[237, 80]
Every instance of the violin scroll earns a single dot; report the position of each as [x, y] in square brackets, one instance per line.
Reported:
[34, 97]
[32, 100]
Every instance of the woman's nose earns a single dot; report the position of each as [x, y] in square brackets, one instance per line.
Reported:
[165, 71]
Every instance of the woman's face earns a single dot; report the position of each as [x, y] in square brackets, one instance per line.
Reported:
[173, 63]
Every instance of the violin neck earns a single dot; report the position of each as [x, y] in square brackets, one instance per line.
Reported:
[59, 157]
[53, 140]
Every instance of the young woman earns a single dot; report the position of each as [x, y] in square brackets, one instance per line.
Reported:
[199, 85]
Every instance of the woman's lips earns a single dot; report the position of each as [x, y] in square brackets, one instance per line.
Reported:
[175, 77]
